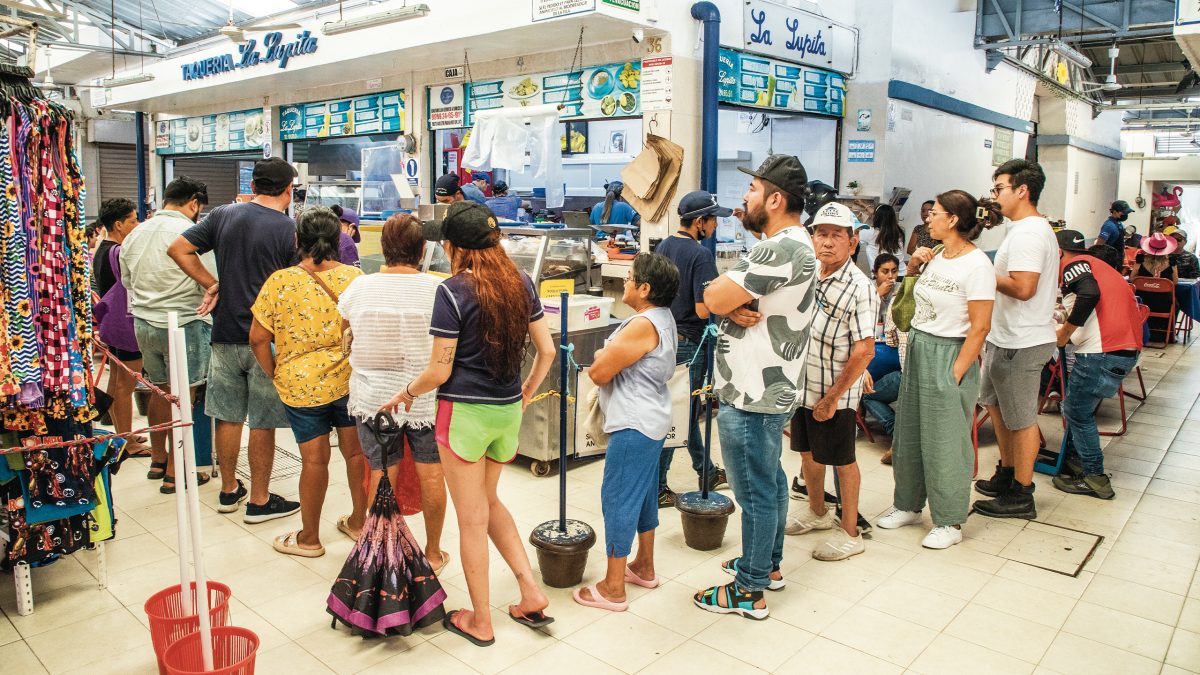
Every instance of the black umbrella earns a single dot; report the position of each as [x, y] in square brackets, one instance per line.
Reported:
[387, 586]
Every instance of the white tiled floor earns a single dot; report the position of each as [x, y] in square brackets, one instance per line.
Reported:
[898, 608]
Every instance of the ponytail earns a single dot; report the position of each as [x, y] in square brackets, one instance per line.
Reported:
[974, 215]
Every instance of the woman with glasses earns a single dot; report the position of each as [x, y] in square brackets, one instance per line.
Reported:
[933, 457]
[632, 371]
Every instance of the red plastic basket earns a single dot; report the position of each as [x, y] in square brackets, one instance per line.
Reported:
[168, 623]
[234, 650]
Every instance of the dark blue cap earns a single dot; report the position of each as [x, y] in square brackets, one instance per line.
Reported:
[701, 203]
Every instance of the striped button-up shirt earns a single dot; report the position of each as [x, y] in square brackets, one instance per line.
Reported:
[846, 312]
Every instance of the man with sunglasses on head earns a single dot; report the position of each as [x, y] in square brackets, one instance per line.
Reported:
[698, 213]
[1022, 338]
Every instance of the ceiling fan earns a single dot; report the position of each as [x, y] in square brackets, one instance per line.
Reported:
[1110, 83]
[238, 33]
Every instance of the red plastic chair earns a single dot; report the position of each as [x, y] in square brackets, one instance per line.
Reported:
[1151, 286]
[1121, 393]
[862, 423]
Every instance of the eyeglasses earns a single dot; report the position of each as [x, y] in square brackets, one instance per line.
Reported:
[934, 212]
[997, 189]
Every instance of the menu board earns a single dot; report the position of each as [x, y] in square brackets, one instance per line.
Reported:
[761, 82]
[598, 92]
[223, 132]
[381, 113]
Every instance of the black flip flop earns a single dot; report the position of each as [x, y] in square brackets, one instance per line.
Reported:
[170, 481]
[448, 624]
[534, 620]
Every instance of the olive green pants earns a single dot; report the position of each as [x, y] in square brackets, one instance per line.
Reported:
[932, 454]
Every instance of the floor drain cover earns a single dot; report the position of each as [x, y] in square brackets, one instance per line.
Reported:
[1053, 548]
[287, 464]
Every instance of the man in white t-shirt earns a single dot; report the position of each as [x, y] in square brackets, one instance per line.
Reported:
[1022, 338]
[768, 305]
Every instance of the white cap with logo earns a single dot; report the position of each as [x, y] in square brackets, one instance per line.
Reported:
[834, 213]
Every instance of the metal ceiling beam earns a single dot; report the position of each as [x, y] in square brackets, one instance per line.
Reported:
[110, 23]
[1140, 68]
[1098, 20]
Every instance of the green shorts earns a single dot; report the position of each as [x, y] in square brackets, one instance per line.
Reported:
[473, 431]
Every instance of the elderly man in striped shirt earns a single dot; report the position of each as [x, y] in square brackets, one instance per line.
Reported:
[841, 344]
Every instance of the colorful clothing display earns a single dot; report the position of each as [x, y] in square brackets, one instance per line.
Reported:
[53, 500]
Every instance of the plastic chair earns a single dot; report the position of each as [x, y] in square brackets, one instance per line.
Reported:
[1183, 325]
[1148, 287]
[1056, 373]
[861, 420]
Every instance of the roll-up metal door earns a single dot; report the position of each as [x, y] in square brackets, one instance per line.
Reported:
[118, 173]
[219, 173]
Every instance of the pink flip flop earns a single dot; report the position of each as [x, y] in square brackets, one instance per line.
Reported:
[634, 579]
[599, 601]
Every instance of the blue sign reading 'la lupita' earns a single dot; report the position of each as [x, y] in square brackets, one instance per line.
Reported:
[249, 55]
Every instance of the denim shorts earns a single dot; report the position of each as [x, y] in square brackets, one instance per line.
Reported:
[421, 442]
[239, 390]
[152, 340]
[319, 420]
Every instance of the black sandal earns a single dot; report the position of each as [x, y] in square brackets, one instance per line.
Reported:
[534, 620]
[158, 471]
[448, 624]
[201, 479]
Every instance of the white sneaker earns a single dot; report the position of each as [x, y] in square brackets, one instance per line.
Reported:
[807, 521]
[942, 537]
[839, 546]
[897, 518]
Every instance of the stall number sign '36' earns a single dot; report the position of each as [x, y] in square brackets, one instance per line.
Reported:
[275, 50]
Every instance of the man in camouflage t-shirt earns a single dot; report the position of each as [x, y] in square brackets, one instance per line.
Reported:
[767, 300]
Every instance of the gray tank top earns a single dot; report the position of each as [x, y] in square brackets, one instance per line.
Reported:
[638, 397]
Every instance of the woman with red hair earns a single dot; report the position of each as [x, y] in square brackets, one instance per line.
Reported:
[481, 318]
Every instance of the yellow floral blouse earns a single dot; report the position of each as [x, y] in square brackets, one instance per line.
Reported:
[309, 366]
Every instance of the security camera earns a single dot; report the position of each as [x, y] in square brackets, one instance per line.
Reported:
[639, 35]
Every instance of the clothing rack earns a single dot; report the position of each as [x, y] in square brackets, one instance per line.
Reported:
[56, 499]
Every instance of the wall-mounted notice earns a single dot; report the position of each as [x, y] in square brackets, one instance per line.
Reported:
[656, 83]
[861, 151]
[552, 9]
[447, 107]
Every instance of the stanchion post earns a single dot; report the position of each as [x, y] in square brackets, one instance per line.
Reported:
[706, 406]
[186, 448]
[563, 387]
[181, 507]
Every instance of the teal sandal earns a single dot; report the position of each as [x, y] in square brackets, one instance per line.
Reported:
[730, 567]
[737, 601]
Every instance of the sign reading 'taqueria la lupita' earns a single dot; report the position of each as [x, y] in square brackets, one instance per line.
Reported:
[275, 50]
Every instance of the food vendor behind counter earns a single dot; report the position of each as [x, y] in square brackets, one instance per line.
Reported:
[614, 210]
[505, 207]
[475, 189]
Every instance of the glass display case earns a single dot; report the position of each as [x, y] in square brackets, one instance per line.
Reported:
[384, 182]
[555, 253]
[343, 193]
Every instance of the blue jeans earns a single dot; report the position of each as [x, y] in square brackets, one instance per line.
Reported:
[627, 495]
[687, 349]
[751, 444]
[1094, 378]
[887, 391]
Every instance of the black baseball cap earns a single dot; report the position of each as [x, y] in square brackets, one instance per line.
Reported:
[1071, 240]
[470, 225]
[447, 186]
[500, 186]
[273, 174]
[701, 203]
[1122, 206]
[785, 172]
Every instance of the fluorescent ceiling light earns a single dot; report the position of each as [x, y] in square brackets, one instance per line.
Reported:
[127, 79]
[1070, 53]
[379, 19]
